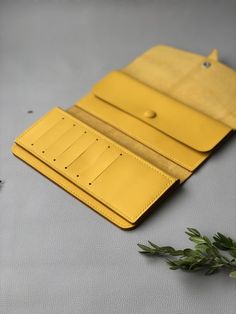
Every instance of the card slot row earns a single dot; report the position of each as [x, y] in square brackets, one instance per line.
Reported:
[94, 167]
[109, 173]
[67, 146]
[58, 139]
[81, 154]
[47, 131]
[89, 158]
[52, 135]
[132, 191]
[41, 127]
[98, 175]
[74, 150]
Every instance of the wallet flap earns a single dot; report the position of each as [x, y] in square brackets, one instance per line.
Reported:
[125, 183]
[203, 83]
[173, 118]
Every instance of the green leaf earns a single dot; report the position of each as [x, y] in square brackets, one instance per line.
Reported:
[154, 245]
[207, 240]
[202, 247]
[190, 252]
[197, 240]
[167, 249]
[204, 256]
[144, 247]
[222, 242]
[177, 253]
[232, 274]
[193, 232]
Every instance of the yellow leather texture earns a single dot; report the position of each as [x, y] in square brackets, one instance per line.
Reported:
[169, 116]
[176, 131]
[131, 144]
[203, 83]
[71, 187]
[140, 132]
[120, 180]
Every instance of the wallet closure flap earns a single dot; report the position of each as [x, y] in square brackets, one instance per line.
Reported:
[113, 175]
[161, 112]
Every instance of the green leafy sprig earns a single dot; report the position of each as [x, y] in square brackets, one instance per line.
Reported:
[205, 256]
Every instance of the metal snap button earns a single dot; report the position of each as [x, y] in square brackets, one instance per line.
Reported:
[206, 64]
[149, 114]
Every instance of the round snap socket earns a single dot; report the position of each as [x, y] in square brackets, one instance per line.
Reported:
[149, 114]
[206, 64]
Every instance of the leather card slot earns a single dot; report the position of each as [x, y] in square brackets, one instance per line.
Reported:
[75, 150]
[125, 183]
[165, 145]
[70, 187]
[102, 163]
[131, 144]
[130, 187]
[53, 134]
[64, 142]
[88, 157]
[42, 125]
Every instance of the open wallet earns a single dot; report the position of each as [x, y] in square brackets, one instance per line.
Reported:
[140, 132]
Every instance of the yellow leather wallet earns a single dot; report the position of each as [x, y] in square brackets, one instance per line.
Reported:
[139, 133]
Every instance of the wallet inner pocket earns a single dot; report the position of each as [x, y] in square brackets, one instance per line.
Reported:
[100, 164]
[174, 150]
[161, 112]
[63, 143]
[88, 157]
[122, 181]
[133, 190]
[136, 147]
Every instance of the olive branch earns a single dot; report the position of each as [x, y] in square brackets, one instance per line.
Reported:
[206, 255]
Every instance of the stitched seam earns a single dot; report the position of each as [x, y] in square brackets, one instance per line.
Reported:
[166, 94]
[146, 206]
[92, 205]
[168, 178]
[34, 124]
[167, 155]
[139, 138]
[81, 197]
[96, 132]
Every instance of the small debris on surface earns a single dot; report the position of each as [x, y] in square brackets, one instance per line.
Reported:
[30, 111]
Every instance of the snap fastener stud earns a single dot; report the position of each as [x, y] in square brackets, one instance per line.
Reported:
[150, 114]
[206, 64]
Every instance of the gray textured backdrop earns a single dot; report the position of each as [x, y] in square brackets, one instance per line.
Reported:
[57, 255]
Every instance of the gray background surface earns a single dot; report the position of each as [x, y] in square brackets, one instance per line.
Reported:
[56, 255]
